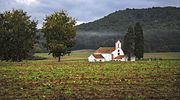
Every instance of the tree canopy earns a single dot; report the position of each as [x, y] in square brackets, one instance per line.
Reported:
[129, 42]
[60, 33]
[17, 35]
[139, 41]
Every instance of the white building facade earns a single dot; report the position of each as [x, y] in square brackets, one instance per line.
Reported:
[109, 54]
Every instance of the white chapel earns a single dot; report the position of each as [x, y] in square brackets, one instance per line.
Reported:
[109, 53]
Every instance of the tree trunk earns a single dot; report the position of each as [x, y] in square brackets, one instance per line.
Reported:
[59, 58]
[139, 58]
[129, 57]
[68, 54]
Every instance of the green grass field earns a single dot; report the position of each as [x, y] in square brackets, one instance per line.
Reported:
[83, 54]
[75, 78]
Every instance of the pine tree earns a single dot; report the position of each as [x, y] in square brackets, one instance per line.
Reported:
[129, 43]
[139, 41]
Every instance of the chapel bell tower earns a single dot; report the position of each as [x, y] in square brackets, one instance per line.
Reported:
[118, 44]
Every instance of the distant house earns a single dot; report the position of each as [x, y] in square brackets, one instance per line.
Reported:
[109, 53]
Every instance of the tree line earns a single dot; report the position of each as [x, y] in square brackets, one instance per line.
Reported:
[18, 34]
[161, 29]
[134, 42]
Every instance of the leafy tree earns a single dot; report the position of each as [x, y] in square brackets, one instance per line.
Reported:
[17, 35]
[139, 41]
[60, 33]
[129, 43]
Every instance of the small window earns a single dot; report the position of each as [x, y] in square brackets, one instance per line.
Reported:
[118, 53]
[118, 50]
[100, 60]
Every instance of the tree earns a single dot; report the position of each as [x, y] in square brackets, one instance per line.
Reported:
[129, 43]
[17, 35]
[139, 41]
[60, 33]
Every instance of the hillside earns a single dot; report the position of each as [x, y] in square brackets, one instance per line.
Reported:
[161, 29]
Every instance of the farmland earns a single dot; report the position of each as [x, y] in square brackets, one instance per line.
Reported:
[75, 78]
[83, 54]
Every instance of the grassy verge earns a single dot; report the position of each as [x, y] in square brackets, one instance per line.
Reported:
[164, 55]
[83, 55]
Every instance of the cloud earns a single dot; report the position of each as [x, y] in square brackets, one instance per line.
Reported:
[82, 10]
[79, 22]
[26, 2]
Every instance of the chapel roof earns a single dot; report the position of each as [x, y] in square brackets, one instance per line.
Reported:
[105, 50]
[119, 57]
[98, 56]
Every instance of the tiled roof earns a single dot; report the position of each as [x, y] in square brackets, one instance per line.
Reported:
[105, 50]
[98, 56]
[119, 57]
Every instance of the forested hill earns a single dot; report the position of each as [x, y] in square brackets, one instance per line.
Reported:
[161, 29]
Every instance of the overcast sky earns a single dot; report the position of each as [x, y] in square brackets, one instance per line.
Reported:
[81, 10]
